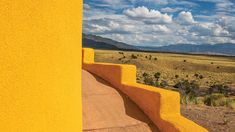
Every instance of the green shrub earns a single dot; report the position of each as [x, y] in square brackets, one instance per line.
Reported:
[201, 76]
[176, 76]
[157, 75]
[187, 99]
[133, 56]
[216, 99]
[231, 104]
[148, 80]
[164, 83]
[145, 74]
[196, 75]
[219, 88]
[199, 101]
[186, 88]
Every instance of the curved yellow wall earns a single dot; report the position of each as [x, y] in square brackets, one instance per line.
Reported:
[161, 106]
[40, 65]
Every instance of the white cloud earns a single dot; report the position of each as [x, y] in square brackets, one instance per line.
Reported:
[170, 10]
[145, 26]
[161, 28]
[148, 16]
[185, 18]
[86, 7]
[209, 29]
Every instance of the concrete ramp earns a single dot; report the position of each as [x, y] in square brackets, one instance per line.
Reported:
[105, 109]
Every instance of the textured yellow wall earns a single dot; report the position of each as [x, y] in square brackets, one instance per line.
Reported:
[40, 65]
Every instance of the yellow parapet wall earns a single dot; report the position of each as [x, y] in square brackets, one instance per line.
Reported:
[40, 65]
[161, 106]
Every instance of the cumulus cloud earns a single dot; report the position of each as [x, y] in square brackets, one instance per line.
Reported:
[209, 29]
[144, 25]
[185, 18]
[170, 10]
[148, 16]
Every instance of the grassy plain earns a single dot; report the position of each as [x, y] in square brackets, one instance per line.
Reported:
[175, 67]
[206, 71]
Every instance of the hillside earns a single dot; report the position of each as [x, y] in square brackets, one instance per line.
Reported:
[97, 42]
[216, 49]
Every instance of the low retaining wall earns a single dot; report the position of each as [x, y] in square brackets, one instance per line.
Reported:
[160, 105]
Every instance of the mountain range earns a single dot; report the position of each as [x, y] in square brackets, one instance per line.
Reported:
[97, 42]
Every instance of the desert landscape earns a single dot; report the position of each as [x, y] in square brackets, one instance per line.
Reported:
[206, 83]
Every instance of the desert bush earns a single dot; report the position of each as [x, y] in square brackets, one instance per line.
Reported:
[157, 84]
[145, 74]
[219, 88]
[150, 57]
[148, 80]
[186, 88]
[155, 58]
[157, 75]
[185, 60]
[217, 67]
[199, 100]
[201, 76]
[186, 99]
[164, 83]
[120, 52]
[133, 56]
[120, 59]
[176, 76]
[146, 57]
[231, 104]
[212, 62]
[215, 99]
[196, 75]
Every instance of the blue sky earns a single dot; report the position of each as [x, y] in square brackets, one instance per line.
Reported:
[161, 22]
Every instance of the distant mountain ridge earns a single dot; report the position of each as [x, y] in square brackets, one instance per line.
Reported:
[97, 42]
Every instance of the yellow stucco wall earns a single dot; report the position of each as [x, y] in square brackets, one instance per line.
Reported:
[40, 65]
[161, 106]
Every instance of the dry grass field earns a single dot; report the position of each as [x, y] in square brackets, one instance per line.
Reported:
[214, 111]
[174, 67]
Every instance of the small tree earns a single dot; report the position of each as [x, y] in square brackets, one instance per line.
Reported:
[163, 83]
[157, 75]
[145, 74]
[201, 76]
[120, 52]
[187, 89]
[176, 76]
[148, 80]
[133, 56]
